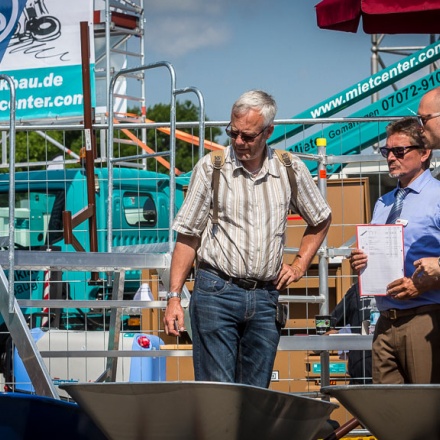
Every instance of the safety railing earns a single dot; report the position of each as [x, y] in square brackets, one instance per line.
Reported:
[123, 262]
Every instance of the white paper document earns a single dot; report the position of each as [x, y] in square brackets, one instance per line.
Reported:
[384, 246]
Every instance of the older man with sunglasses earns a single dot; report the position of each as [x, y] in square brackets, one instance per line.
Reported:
[233, 308]
[407, 336]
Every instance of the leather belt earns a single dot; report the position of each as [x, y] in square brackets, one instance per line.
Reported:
[244, 283]
[393, 314]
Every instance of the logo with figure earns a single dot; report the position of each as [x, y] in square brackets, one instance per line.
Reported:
[41, 51]
[36, 24]
[34, 27]
[10, 11]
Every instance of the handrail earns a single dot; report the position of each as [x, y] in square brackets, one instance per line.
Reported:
[13, 316]
[172, 144]
[12, 135]
[201, 115]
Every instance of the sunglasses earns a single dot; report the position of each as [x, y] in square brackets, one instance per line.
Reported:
[423, 119]
[247, 138]
[398, 152]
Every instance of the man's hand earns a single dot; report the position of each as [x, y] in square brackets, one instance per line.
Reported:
[181, 263]
[288, 274]
[427, 267]
[332, 332]
[174, 318]
[358, 260]
[405, 288]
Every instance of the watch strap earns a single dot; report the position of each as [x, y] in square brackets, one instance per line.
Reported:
[173, 295]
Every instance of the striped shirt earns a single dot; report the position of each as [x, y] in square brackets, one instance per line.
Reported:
[248, 241]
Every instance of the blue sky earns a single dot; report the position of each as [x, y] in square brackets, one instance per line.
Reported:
[226, 47]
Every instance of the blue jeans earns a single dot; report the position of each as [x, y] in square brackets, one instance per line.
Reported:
[234, 332]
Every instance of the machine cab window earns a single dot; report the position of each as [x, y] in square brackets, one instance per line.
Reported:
[139, 209]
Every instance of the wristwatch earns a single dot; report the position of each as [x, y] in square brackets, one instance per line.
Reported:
[173, 295]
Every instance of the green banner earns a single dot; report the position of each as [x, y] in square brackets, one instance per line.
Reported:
[352, 137]
[51, 92]
[361, 90]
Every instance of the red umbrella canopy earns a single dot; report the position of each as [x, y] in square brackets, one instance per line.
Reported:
[380, 16]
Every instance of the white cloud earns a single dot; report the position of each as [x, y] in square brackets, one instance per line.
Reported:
[180, 35]
[179, 27]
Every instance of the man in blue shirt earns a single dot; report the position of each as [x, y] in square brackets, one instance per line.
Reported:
[406, 344]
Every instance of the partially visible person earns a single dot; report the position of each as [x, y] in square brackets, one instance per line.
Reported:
[240, 269]
[407, 335]
[428, 115]
[350, 312]
[429, 119]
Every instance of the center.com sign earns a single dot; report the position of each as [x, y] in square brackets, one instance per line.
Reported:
[40, 50]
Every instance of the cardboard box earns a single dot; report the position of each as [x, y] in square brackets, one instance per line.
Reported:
[288, 372]
[179, 368]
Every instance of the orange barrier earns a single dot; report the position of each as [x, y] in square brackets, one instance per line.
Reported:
[182, 135]
[186, 137]
[145, 147]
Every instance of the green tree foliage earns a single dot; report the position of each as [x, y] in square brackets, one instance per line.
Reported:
[186, 153]
[32, 147]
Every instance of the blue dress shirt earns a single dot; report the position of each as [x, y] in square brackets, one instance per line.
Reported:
[421, 216]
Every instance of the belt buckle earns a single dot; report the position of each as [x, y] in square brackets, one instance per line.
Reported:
[247, 284]
[254, 284]
[392, 314]
[251, 284]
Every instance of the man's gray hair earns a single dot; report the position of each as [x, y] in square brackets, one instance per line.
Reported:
[256, 100]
